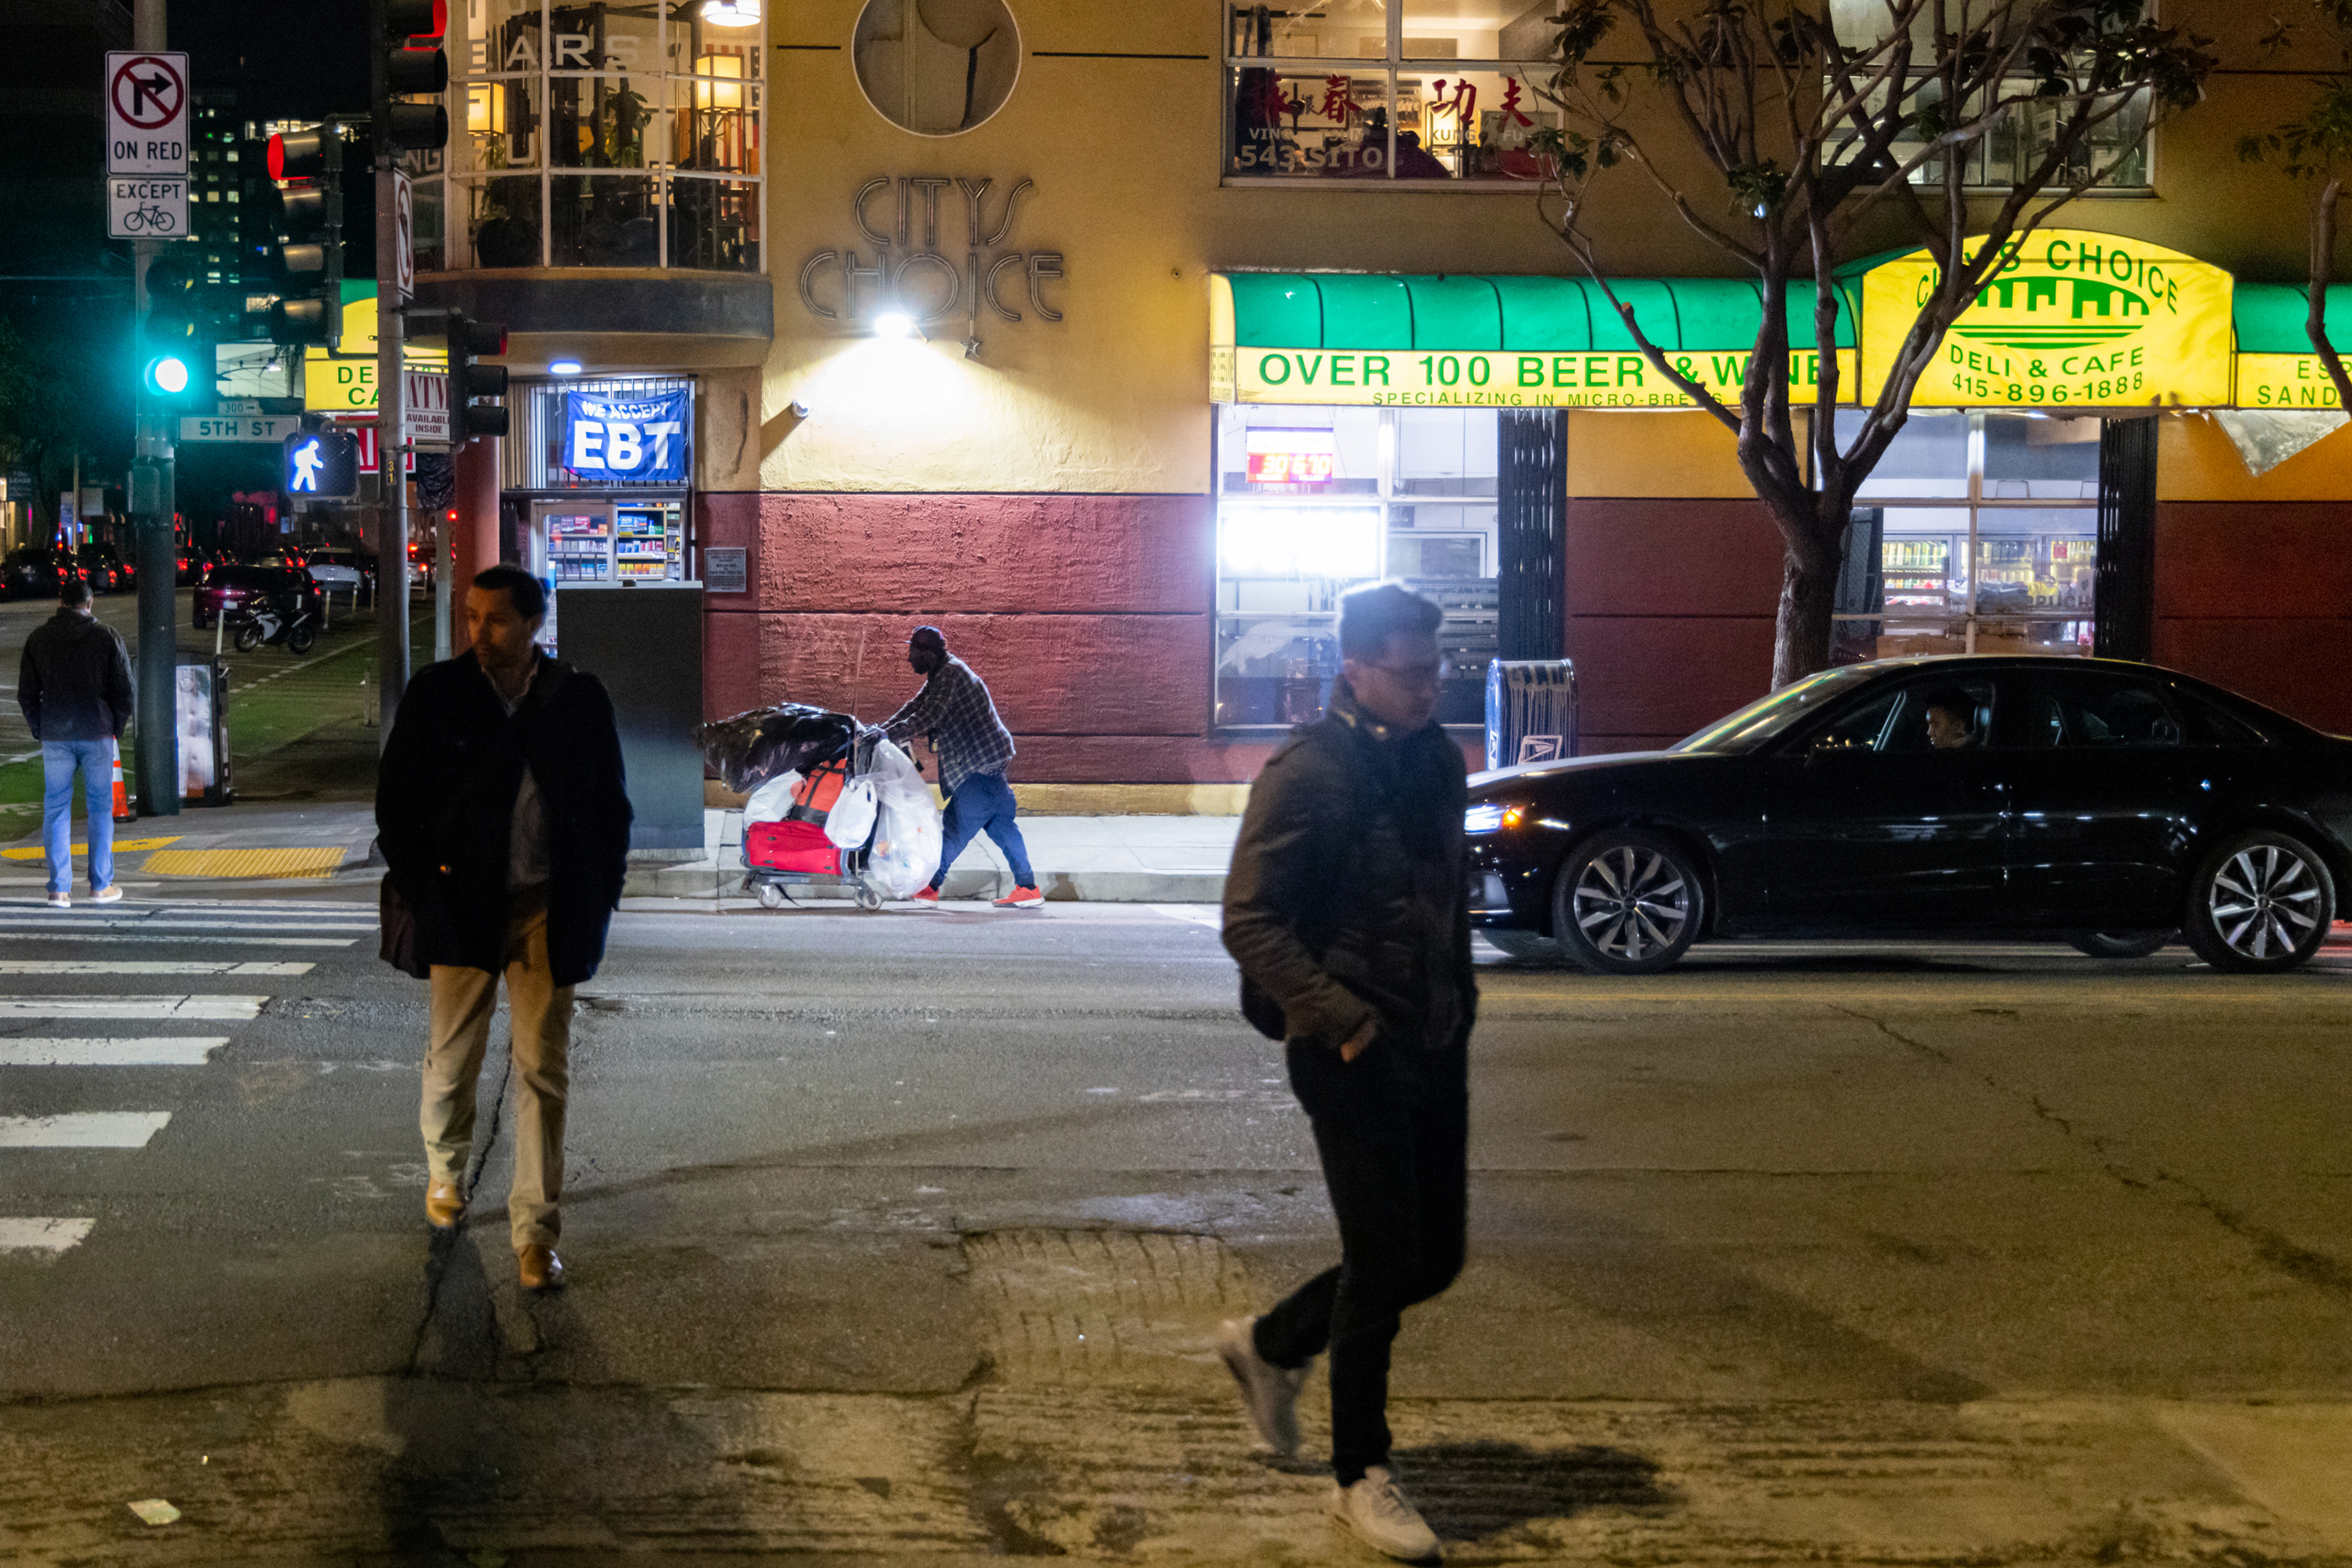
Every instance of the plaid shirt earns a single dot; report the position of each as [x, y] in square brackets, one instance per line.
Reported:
[953, 708]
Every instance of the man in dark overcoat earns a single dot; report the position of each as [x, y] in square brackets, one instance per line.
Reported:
[504, 820]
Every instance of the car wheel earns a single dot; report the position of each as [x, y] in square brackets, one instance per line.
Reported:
[1628, 902]
[2118, 943]
[2261, 903]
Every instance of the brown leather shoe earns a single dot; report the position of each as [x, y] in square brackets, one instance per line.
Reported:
[540, 1269]
[444, 1205]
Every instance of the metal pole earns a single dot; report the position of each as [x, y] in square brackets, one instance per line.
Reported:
[445, 582]
[391, 481]
[152, 508]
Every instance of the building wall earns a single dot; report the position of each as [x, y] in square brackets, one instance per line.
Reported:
[1042, 492]
[2253, 578]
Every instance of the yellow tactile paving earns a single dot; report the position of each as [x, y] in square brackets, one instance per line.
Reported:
[304, 862]
[121, 847]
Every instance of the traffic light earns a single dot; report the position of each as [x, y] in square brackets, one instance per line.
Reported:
[306, 262]
[468, 381]
[414, 64]
[176, 334]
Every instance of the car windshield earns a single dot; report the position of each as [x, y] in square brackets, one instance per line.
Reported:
[1766, 718]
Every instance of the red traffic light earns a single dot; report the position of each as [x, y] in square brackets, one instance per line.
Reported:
[417, 18]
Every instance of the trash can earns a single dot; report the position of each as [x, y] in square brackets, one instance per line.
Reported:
[1530, 710]
[202, 720]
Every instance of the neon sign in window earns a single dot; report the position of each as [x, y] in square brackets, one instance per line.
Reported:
[1285, 457]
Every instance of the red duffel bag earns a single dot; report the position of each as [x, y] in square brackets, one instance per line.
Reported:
[800, 848]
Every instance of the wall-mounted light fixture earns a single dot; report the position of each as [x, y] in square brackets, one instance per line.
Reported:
[563, 367]
[894, 324]
[731, 12]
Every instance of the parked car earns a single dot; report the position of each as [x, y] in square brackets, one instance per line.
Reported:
[104, 568]
[37, 572]
[344, 571]
[191, 565]
[227, 587]
[2109, 804]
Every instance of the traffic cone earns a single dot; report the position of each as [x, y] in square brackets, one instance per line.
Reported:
[121, 796]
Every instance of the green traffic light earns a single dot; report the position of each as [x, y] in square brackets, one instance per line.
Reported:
[167, 375]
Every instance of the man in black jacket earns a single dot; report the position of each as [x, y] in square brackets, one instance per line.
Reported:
[74, 686]
[504, 820]
[1346, 907]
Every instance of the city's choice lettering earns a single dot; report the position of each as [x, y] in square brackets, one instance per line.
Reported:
[1410, 378]
[929, 283]
[2067, 318]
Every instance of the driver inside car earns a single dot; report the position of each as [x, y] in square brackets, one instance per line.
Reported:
[1951, 720]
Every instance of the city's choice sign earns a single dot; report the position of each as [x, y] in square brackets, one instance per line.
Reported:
[2070, 318]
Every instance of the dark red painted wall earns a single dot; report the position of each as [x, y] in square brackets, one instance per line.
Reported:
[2257, 596]
[1088, 616]
[1669, 609]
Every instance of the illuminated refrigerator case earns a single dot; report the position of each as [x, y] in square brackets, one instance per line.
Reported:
[638, 543]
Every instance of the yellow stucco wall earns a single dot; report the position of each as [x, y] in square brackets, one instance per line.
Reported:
[2196, 462]
[1124, 155]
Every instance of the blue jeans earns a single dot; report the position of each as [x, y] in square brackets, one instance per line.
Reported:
[984, 804]
[96, 760]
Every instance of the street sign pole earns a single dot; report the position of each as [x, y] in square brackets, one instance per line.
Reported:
[152, 505]
[391, 478]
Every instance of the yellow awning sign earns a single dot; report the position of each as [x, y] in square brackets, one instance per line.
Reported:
[344, 382]
[1491, 379]
[2071, 319]
[2284, 381]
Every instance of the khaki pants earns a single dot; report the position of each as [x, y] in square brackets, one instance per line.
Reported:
[541, 1015]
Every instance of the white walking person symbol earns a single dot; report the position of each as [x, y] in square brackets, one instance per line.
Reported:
[306, 464]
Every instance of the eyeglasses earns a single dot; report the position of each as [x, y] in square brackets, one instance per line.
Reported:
[1416, 674]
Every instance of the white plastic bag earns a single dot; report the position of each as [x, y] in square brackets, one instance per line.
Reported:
[851, 816]
[907, 839]
[772, 801]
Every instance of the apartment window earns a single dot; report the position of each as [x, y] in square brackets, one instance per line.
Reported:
[1427, 91]
[594, 135]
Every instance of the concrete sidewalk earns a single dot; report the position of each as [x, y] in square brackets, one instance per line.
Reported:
[1096, 859]
[1115, 859]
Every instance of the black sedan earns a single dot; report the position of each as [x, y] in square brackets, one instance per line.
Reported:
[2111, 804]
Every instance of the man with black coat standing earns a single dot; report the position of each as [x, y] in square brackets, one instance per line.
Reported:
[73, 686]
[1346, 911]
[504, 820]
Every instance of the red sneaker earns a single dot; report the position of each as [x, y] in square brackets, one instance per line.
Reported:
[1023, 898]
[928, 896]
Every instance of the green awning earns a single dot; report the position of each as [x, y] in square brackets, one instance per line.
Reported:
[1473, 312]
[2269, 316]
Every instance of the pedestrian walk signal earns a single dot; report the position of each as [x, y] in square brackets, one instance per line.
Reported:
[322, 465]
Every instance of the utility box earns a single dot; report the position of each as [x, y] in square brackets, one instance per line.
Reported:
[644, 641]
[201, 692]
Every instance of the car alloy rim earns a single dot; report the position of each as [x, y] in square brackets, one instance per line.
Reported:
[1632, 903]
[2265, 901]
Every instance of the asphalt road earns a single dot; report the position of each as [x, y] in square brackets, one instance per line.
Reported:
[903, 1236]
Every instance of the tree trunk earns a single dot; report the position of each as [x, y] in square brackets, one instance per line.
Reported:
[1802, 631]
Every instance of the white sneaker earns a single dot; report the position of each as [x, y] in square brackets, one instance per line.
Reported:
[61, 902]
[107, 895]
[1375, 1511]
[1269, 1392]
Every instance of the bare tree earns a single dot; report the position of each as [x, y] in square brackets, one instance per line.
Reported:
[1813, 128]
[2313, 150]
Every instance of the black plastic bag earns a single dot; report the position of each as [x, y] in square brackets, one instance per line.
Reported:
[755, 746]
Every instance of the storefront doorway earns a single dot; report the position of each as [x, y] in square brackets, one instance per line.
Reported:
[1986, 534]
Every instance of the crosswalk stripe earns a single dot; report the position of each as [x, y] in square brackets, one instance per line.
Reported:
[175, 940]
[195, 1007]
[123, 1051]
[173, 922]
[250, 968]
[28, 1235]
[83, 1129]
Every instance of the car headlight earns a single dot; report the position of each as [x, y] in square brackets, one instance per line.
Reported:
[1489, 817]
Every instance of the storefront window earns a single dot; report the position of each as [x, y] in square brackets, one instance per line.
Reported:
[1312, 501]
[602, 136]
[1987, 537]
[1365, 91]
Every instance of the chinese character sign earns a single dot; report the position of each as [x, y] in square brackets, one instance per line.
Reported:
[635, 439]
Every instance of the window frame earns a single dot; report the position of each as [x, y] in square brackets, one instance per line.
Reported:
[1390, 64]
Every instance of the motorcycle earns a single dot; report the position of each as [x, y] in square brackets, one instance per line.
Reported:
[267, 623]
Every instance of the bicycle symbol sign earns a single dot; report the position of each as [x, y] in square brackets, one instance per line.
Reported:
[144, 206]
